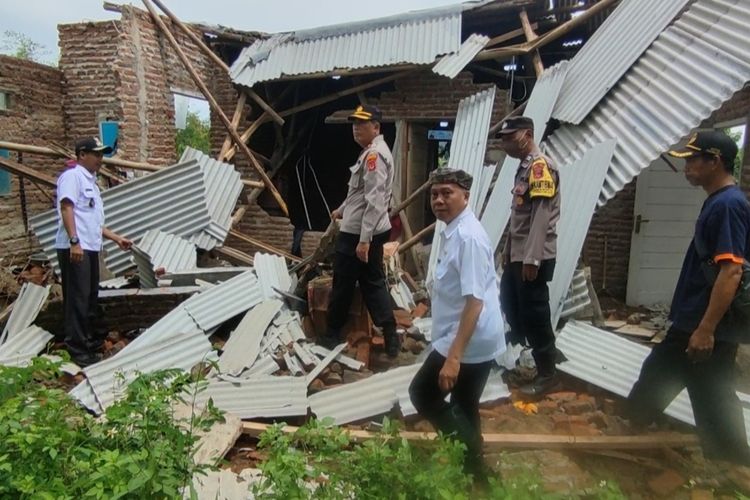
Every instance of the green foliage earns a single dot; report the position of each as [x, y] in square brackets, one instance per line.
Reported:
[23, 47]
[319, 461]
[51, 448]
[736, 134]
[196, 134]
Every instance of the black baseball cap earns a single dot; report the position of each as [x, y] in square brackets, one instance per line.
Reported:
[366, 112]
[711, 142]
[92, 144]
[514, 124]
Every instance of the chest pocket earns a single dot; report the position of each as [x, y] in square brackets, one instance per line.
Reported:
[355, 180]
[89, 200]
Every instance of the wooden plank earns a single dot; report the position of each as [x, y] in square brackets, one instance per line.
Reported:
[221, 64]
[416, 238]
[494, 442]
[116, 162]
[530, 37]
[636, 331]
[235, 123]
[234, 255]
[508, 36]
[22, 170]
[264, 246]
[215, 106]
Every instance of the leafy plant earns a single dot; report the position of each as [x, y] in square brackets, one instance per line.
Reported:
[51, 448]
[23, 47]
[196, 134]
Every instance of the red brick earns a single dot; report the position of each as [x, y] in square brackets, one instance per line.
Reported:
[666, 483]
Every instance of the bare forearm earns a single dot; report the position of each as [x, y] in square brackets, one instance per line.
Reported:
[722, 294]
[110, 235]
[69, 220]
[466, 325]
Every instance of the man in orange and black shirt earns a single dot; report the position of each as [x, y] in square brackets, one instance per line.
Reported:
[700, 348]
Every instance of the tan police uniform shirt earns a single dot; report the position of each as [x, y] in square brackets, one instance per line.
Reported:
[536, 209]
[365, 209]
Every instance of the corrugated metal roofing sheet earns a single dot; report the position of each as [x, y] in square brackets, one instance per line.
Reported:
[688, 72]
[580, 184]
[272, 272]
[614, 363]
[243, 346]
[494, 389]
[366, 398]
[159, 249]
[451, 65]
[258, 397]
[29, 302]
[543, 97]
[402, 40]
[84, 394]
[171, 199]
[607, 55]
[467, 150]
[211, 308]
[110, 378]
[578, 295]
[222, 188]
[19, 349]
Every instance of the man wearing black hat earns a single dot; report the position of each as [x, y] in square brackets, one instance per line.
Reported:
[530, 251]
[78, 242]
[467, 332]
[700, 347]
[365, 227]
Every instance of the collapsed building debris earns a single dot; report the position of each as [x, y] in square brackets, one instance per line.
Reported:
[613, 127]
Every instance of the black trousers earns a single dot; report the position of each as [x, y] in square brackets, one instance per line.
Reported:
[348, 270]
[718, 413]
[429, 399]
[80, 285]
[527, 310]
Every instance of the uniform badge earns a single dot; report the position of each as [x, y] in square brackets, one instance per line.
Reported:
[519, 200]
[541, 183]
[372, 161]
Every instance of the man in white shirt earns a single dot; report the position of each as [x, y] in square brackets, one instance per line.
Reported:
[467, 333]
[78, 242]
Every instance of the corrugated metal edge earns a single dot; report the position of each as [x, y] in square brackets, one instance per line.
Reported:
[543, 97]
[415, 42]
[236, 295]
[467, 150]
[29, 302]
[693, 67]
[609, 53]
[19, 349]
[578, 297]
[243, 346]
[110, 378]
[262, 396]
[272, 272]
[580, 185]
[614, 363]
[452, 64]
[84, 394]
[366, 398]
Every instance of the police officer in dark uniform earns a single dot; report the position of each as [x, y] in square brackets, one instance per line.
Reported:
[365, 228]
[530, 251]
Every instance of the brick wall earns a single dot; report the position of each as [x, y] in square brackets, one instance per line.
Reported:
[34, 117]
[126, 70]
[607, 246]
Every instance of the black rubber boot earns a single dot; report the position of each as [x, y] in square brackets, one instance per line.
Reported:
[330, 340]
[392, 341]
[546, 379]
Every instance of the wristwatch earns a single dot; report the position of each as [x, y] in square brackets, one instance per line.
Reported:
[74, 240]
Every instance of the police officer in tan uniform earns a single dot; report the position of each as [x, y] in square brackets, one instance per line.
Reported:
[530, 251]
[365, 228]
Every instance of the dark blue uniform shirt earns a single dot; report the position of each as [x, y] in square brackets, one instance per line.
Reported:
[722, 234]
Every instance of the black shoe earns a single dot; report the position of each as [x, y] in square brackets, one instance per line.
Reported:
[541, 385]
[86, 359]
[392, 345]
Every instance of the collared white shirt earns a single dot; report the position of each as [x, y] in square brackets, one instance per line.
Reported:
[466, 268]
[79, 186]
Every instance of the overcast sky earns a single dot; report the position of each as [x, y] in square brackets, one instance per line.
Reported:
[38, 19]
